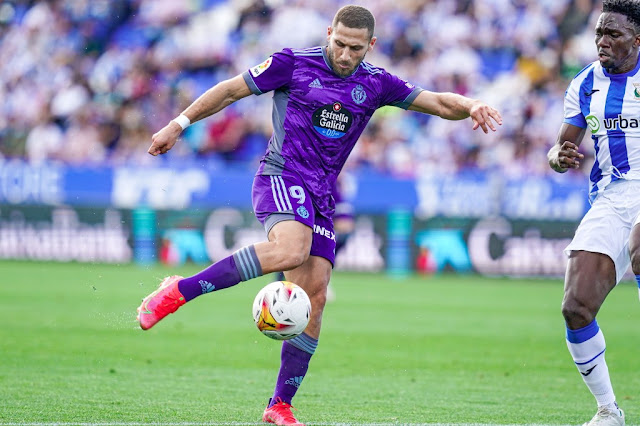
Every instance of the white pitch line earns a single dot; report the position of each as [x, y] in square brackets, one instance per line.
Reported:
[258, 424]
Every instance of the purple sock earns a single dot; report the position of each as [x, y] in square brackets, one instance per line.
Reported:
[294, 363]
[241, 266]
[221, 274]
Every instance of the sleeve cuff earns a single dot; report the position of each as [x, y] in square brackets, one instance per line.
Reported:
[252, 85]
[577, 120]
[409, 99]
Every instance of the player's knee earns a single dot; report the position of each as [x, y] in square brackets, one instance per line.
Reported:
[290, 253]
[320, 297]
[292, 258]
[576, 313]
[318, 301]
[316, 288]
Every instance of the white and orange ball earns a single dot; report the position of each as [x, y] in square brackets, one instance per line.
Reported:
[281, 310]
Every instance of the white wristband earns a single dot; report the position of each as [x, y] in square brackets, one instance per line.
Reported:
[183, 121]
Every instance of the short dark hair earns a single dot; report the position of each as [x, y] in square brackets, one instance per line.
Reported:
[628, 8]
[353, 16]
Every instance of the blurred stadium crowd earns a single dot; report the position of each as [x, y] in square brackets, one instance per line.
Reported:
[88, 82]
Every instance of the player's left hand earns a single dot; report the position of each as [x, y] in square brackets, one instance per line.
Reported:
[483, 116]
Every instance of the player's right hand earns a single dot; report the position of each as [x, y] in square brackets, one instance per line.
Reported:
[567, 157]
[165, 139]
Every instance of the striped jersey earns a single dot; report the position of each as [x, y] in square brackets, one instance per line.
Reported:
[318, 115]
[609, 105]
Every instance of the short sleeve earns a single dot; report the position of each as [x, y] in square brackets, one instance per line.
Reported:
[572, 111]
[398, 92]
[274, 73]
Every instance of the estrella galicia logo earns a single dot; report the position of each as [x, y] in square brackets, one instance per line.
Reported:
[303, 212]
[358, 94]
[333, 120]
[593, 123]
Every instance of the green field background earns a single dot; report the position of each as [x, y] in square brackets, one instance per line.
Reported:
[445, 349]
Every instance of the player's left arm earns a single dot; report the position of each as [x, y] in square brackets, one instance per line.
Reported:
[452, 106]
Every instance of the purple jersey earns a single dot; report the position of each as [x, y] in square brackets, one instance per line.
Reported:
[318, 116]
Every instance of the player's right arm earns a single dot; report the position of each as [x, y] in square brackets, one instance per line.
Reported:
[213, 100]
[564, 154]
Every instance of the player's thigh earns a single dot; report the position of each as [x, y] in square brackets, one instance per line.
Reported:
[589, 279]
[291, 236]
[634, 246]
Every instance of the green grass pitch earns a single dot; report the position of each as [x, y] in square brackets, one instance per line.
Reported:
[426, 350]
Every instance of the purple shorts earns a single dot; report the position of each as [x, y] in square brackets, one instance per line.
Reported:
[279, 198]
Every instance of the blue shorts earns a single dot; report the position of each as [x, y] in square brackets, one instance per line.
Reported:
[279, 198]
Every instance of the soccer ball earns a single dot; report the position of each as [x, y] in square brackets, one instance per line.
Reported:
[281, 310]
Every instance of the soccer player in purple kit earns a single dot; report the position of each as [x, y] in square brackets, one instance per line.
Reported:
[323, 98]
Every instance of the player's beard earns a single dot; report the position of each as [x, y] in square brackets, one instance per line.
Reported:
[342, 72]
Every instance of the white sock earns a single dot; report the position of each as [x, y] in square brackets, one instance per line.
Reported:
[587, 347]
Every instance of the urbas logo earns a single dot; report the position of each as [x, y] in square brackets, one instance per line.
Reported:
[333, 120]
[593, 123]
[621, 123]
[616, 123]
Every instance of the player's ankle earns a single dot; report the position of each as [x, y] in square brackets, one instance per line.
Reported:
[613, 406]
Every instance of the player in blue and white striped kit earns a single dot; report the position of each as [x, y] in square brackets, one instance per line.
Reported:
[604, 98]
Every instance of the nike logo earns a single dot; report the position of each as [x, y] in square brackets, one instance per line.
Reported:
[591, 92]
[144, 309]
[586, 373]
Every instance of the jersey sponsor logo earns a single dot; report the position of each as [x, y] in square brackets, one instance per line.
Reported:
[358, 94]
[621, 122]
[616, 123]
[260, 68]
[333, 120]
[593, 123]
[321, 230]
